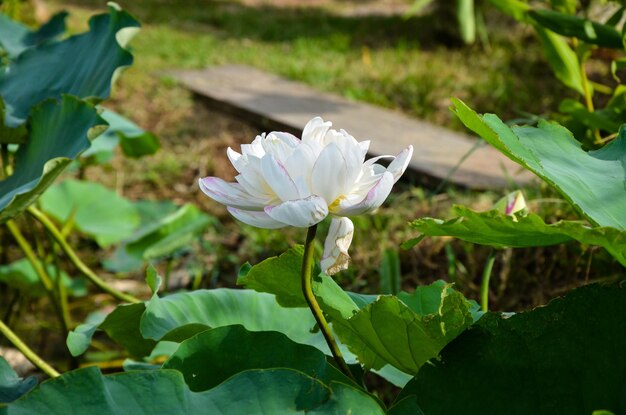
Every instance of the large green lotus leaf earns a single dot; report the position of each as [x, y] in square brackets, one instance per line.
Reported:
[564, 358]
[594, 182]
[95, 210]
[180, 316]
[60, 131]
[202, 309]
[15, 38]
[134, 141]
[21, 275]
[375, 328]
[81, 65]
[499, 230]
[275, 391]
[404, 339]
[11, 385]
[209, 358]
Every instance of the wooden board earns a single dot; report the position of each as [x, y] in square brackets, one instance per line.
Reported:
[280, 104]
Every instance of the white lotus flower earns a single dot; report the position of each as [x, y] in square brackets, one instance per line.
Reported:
[284, 181]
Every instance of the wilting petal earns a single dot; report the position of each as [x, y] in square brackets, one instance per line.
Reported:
[230, 194]
[315, 130]
[258, 219]
[300, 213]
[374, 198]
[278, 179]
[328, 178]
[335, 257]
[400, 163]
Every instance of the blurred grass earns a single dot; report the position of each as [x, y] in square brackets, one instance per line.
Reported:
[413, 65]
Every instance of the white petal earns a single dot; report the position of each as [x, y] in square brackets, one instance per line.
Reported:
[255, 148]
[315, 130]
[365, 147]
[281, 145]
[300, 213]
[230, 194]
[257, 219]
[374, 198]
[236, 160]
[335, 257]
[300, 164]
[278, 179]
[329, 175]
[400, 163]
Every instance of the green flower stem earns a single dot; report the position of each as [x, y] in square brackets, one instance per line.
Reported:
[27, 351]
[82, 267]
[307, 290]
[484, 286]
[41, 272]
[30, 255]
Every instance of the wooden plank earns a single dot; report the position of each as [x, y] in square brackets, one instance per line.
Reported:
[286, 105]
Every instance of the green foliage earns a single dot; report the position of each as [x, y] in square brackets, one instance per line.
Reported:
[562, 358]
[122, 325]
[378, 329]
[180, 316]
[68, 66]
[587, 179]
[282, 391]
[390, 275]
[496, 229]
[21, 275]
[562, 59]
[169, 234]
[577, 27]
[81, 203]
[60, 131]
[279, 276]
[210, 357]
[15, 38]
[133, 141]
[11, 385]
[164, 230]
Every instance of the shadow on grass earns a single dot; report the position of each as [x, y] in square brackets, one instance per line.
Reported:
[287, 24]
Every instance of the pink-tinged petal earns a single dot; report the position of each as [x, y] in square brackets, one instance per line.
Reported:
[338, 240]
[330, 174]
[315, 130]
[254, 218]
[511, 204]
[278, 179]
[230, 194]
[400, 163]
[300, 213]
[374, 198]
